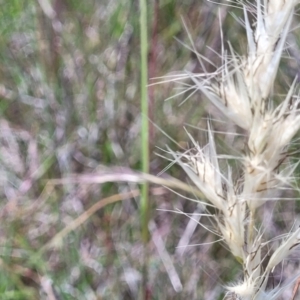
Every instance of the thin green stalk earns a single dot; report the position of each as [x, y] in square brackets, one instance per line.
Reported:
[144, 209]
[145, 123]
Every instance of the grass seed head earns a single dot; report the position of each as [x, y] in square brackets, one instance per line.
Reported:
[241, 88]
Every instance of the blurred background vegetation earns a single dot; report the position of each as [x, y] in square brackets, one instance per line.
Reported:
[70, 104]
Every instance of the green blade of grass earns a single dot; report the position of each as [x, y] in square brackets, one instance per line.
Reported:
[144, 207]
[145, 123]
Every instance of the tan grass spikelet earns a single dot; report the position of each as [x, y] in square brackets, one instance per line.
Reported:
[242, 89]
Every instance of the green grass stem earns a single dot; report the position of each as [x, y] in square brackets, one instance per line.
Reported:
[145, 122]
[144, 208]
